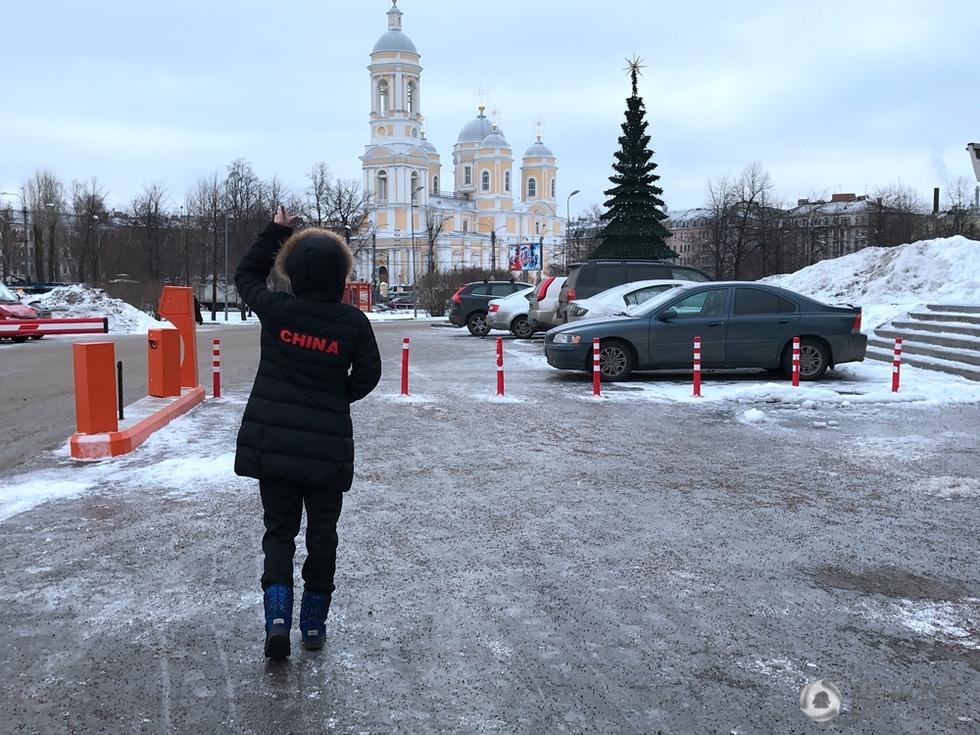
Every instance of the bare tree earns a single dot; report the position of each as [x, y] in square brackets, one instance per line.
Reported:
[752, 192]
[721, 202]
[896, 215]
[582, 235]
[207, 208]
[44, 194]
[347, 206]
[88, 206]
[435, 223]
[315, 203]
[149, 218]
[959, 198]
[7, 245]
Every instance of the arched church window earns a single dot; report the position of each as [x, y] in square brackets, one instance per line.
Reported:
[532, 188]
[485, 181]
[435, 186]
[410, 97]
[553, 188]
[383, 97]
[506, 180]
[382, 186]
[415, 186]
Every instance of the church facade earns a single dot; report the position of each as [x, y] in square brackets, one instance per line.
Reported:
[418, 219]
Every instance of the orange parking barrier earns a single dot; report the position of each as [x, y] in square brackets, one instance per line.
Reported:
[114, 443]
[95, 387]
[163, 362]
[177, 306]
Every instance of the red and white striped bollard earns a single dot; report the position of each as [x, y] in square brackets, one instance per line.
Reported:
[897, 365]
[697, 367]
[500, 366]
[596, 368]
[796, 362]
[405, 350]
[216, 368]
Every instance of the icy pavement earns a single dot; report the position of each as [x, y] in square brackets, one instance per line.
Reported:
[542, 564]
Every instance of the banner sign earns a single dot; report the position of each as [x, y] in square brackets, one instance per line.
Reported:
[525, 256]
[974, 149]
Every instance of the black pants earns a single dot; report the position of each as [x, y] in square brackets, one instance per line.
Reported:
[283, 506]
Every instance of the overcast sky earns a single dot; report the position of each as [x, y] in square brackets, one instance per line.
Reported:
[827, 96]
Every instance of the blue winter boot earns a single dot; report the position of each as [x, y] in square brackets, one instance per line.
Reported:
[278, 600]
[312, 619]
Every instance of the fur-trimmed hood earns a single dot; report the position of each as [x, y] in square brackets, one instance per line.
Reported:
[316, 264]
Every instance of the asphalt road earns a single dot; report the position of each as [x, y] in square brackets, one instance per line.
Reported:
[546, 564]
[37, 391]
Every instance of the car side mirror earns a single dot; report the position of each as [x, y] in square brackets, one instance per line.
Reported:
[667, 316]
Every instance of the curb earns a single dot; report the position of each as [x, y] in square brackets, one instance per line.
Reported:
[114, 443]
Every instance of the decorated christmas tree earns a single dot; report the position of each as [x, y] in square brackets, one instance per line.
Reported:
[634, 211]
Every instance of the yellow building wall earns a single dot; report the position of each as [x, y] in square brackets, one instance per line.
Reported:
[400, 219]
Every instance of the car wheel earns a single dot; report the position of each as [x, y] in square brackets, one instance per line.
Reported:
[814, 360]
[19, 340]
[477, 324]
[615, 360]
[521, 328]
[36, 336]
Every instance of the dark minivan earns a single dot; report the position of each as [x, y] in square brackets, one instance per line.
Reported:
[595, 276]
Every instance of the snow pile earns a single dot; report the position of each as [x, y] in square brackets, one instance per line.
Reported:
[888, 282]
[78, 301]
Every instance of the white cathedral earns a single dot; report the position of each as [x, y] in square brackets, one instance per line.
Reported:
[403, 177]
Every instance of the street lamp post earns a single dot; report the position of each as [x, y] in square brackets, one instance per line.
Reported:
[27, 235]
[415, 264]
[568, 218]
[226, 266]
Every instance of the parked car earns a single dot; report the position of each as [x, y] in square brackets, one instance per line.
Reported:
[470, 304]
[595, 276]
[544, 303]
[11, 307]
[19, 284]
[741, 325]
[617, 300]
[510, 313]
[401, 302]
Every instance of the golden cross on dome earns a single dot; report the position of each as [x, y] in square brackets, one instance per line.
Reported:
[539, 127]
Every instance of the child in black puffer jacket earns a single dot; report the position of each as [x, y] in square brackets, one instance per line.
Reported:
[318, 356]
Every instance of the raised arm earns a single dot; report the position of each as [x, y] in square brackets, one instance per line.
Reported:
[253, 271]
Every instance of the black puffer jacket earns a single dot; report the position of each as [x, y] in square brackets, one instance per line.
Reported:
[318, 356]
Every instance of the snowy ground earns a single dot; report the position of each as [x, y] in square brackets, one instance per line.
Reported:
[547, 563]
[79, 301]
[887, 282]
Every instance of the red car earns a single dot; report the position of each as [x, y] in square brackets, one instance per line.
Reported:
[12, 308]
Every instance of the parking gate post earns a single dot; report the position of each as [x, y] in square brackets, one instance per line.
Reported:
[596, 368]
[216, 368]
[697, 367]
[500, 366]
[897, 365]
[796, 362]
[405, 348]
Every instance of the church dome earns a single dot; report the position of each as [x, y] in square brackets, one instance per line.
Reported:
[539, 150]
[426, 145]
[495, 140]
[394, 41]
[476, 130]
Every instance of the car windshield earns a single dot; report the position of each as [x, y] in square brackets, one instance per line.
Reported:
[6, 294]
[651, 305]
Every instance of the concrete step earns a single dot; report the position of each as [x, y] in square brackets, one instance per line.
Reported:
[969, 357]
[942, 316]
[941, 339]
[946, 327]
[956, 308]
[926, 363]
